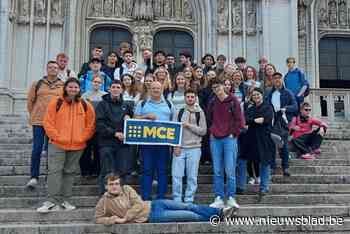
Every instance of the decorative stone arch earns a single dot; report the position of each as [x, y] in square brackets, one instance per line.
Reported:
[142, 24]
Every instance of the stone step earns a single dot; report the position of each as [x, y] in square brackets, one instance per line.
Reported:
[92, 190]
[244, 226]
[309, 170]
[290, 199]
[87, 214]
[202, 179]
[21, 160]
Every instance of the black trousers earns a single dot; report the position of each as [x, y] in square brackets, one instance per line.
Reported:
[253, 168]
[307, 143]
[90, 159]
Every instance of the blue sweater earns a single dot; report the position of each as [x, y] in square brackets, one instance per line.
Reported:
[294, 80]
[86, 82]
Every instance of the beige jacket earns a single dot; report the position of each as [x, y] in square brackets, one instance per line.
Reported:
[45, 93]
[128, 204]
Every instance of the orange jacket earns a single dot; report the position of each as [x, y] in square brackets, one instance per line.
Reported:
[71, 126]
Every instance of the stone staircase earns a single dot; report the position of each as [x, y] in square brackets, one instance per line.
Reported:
[316, 188]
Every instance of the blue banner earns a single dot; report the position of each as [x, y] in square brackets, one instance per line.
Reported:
[147, 132]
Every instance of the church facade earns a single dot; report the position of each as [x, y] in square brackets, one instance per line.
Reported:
[34, 31]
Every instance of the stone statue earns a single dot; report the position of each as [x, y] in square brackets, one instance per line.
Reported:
[167, 9]
[251, 15]
[222, 15]
[178, 9]
[108, 7]
[118, 8]
[24, 7]
[39, 8]
[343, 13]
[236, 15]
[332, 9]
[187, 10]
[301, 16]
[143, 10]
[55, 9]
[96, 8]
[157, 8]
[128, 8]
[323, 17]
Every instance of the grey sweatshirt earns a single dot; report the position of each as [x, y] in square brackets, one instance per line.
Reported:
[192, 136]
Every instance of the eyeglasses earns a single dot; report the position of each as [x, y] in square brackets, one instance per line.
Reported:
[115, 183]
[97, 82]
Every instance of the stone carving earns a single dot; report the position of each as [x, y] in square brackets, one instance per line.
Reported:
[343, 17]
[251, 15]
[108, 7]
[56, 12]
[143, 37]
[96, 8]
[323, 17]
[187, 10]
[167, 9]
[118, 8]
[128, 8]
[222, 15]
[39, 11]
[301, 16]
[236, 16]
[178, 9]
[332, 9]
[143, 10]
[23, 7]
[157, 8]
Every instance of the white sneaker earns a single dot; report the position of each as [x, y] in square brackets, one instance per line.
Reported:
[32, 183]
[43, 153]
[257, 180]
[67, 206]
[251, 180]
[218, 203]
[231, 202]
[48, 207]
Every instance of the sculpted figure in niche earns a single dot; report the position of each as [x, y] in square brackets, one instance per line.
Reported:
[301, 15]
[143, 10]
[55, 9]
[178, 9]
[40, 8]
[343, 13]
[236, 15]
[157, 7]
[96, 8]
[167, 9]
[108, 7]
[118, 8]
[222, 15]
[251, 13]
[323, 17]
[24, 7]
[128, 8]
[332, 6]
[188, 10]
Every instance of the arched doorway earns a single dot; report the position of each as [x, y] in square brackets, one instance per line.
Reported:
[173, 41]
[109, 38]
[334, 61]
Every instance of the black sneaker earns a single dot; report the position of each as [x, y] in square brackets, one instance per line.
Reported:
[286, 172]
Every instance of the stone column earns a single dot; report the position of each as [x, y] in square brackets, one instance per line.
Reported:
[4, 38]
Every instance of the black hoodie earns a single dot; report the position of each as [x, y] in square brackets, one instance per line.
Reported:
[110, 119]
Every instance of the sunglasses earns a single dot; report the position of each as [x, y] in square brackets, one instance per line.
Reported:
[307, 109]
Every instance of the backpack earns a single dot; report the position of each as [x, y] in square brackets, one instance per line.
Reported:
[181, 112]
[60, 102]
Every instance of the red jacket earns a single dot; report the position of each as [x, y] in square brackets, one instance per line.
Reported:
[305, 127]
[225, 117]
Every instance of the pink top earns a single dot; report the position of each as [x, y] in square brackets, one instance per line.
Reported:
[305, 127]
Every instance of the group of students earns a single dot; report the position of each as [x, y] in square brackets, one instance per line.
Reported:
[233, 117]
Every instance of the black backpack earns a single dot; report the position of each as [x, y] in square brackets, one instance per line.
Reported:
[181, 112]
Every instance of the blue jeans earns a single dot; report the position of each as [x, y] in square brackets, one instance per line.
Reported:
[155, 159]
[163, 211]
[38, 146]
[264, 175]
[188, 160]
[224, 155]
[284, 154]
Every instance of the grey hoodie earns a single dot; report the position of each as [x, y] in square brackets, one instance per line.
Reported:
[192, 136]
